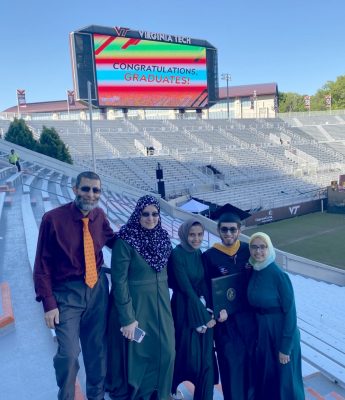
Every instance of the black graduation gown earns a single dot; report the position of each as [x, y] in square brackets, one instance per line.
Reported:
[235, 338]
[195, 360]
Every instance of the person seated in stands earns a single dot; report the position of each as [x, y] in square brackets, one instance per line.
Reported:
[193, 318]
[140, 299]
[278, 351]
[13, 159]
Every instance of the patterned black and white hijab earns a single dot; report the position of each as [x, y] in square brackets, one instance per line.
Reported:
[152, 244]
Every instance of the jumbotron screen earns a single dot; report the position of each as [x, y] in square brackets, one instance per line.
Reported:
[129, 71]
[134, 72]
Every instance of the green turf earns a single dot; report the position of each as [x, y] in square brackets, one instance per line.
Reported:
[317, 236]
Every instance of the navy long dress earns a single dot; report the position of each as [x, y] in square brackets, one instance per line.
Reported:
[271, 292]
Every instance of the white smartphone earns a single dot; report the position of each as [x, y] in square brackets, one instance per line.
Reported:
[139, 335]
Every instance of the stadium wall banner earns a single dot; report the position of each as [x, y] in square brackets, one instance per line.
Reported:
[140, 69]
[276, 214]
[307, 102]
[21, 98]
[70, 98]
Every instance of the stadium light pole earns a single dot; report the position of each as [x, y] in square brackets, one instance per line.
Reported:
[227, 78]
[91, 127]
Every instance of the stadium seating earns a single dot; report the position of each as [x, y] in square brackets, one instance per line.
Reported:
[321, 322]
[249, 154]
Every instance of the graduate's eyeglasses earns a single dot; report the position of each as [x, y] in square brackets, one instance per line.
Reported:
[146, 214]
[232, 230]
[86, 189]
[260, 247]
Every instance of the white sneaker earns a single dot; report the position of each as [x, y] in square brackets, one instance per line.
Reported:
[177, 396]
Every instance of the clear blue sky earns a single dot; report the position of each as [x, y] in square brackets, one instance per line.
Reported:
[299, 44]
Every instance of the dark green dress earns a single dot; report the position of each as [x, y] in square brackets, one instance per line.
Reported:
[137, 370]
[194, 351]
[271, 292]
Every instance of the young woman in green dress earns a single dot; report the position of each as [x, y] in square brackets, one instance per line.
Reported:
[278, 353]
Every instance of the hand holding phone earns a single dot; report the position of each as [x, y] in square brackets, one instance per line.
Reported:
[139, 335]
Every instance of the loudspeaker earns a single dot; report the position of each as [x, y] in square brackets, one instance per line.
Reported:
[161, 188]
[159, 173]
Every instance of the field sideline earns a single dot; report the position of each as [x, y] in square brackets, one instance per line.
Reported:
[318, 236]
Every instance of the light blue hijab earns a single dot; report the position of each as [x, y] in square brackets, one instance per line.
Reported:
[271, 254]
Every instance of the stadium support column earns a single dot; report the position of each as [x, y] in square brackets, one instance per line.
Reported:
[91, 128]
[227, 78]
[160, 183]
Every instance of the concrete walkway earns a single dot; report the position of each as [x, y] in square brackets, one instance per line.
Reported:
[26, 351]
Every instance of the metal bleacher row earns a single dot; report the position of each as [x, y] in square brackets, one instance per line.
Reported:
[250, 154]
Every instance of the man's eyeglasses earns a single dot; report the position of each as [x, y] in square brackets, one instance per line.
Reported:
[225, 229]
[86, 189]
[260, 247]
[146, 214]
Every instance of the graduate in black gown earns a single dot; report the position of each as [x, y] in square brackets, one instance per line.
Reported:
[235, 334]
[195, 360]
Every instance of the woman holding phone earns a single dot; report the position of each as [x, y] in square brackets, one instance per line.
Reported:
[140, 299]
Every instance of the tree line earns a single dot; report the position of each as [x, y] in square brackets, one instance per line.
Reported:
[48, 144]
[320, 101]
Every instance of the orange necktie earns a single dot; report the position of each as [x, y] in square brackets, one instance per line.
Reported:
[90, 259]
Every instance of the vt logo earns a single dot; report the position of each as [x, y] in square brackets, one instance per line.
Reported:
[121, 31]
[294, 209]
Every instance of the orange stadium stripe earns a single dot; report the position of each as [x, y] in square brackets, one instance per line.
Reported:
[7, 317]
[315, 394]
[336, 396]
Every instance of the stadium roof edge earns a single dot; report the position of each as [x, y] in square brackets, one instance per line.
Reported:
[139, 34]
[261, 89]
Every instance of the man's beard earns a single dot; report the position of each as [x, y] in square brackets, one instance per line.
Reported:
[229, 241]
[83, 205]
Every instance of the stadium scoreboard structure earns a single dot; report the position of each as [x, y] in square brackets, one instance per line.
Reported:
[141, 69]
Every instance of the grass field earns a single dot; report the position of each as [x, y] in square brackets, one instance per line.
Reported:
[317, 236]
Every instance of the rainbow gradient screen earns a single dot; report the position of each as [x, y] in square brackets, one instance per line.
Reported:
[143, 73]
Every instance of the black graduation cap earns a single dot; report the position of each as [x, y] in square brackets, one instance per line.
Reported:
[229, 213]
